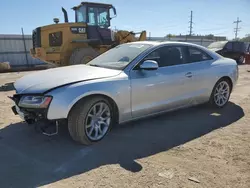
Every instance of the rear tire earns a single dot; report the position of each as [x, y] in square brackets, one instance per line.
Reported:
[82, 119]
[221, 93]
[82, 55]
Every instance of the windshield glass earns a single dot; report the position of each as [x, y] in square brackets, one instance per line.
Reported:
[81, 14]
[217, 44]
[120, 56]
[98, 16]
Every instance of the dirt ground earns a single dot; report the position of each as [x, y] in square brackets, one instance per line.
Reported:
[196, 147]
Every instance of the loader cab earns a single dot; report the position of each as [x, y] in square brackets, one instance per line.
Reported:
[97, 17]
[94, 14]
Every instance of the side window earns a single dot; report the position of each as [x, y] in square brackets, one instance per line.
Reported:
[197, 55]
[155, 55]
[81, 14]
[229, 46]
[238, 47]
[167, 56]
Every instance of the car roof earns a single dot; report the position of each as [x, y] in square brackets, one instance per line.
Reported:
[162, 43]
[159, 43]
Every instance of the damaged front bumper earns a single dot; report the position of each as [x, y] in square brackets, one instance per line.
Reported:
[34, 115]
[30, 115]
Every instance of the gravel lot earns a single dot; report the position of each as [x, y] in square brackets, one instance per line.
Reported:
[197, 147]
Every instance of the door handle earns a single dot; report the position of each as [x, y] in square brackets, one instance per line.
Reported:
[189, 74]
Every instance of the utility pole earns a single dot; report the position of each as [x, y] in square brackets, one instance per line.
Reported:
[191, 24]
[237, 27]
[25, 49]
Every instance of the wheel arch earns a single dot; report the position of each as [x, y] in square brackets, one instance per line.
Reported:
[220, 78]
[228, 79]
[106, 96]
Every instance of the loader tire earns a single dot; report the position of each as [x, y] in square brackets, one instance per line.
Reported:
[82, 55]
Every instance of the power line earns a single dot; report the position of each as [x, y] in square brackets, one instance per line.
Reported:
[237, 27]
[191, 24]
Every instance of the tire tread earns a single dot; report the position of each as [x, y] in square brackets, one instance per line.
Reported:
[77, 117]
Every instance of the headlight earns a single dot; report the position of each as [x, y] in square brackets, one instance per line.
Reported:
[35, 101]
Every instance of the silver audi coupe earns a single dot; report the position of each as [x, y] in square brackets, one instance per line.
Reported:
[128, 82]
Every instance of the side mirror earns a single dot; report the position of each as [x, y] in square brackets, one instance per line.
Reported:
[114, 11]
[149, 65]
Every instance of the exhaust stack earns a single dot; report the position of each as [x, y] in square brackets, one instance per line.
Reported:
[65, 15]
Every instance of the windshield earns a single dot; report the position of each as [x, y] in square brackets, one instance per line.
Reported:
[220, 44]
[98, 16]
[120, 56]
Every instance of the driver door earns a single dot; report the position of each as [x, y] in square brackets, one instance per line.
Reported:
[164, 89]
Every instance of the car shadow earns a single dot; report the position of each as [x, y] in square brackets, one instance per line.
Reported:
[29, 159]
[7, 87]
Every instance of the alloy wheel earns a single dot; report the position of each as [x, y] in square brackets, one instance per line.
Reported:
[98, 121]
[221, 94]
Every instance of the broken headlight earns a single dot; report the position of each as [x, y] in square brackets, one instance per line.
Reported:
[35, 101]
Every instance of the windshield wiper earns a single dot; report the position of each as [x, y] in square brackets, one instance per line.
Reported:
[94, 65]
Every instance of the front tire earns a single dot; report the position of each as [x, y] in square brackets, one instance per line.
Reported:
[221, 93]
[90, 120]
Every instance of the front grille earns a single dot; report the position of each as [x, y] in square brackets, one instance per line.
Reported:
[36, 38]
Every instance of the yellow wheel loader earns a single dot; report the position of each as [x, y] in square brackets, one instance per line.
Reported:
[79, 42]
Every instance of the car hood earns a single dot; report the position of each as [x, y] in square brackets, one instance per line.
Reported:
[215, 49]
[42, 81]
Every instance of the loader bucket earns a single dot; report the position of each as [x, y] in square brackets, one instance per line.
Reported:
[143, 36]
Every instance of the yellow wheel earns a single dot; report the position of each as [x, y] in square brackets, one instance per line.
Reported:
[82, 55]
[86, 59]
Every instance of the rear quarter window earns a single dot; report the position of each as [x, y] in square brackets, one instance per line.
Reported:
[197, 55]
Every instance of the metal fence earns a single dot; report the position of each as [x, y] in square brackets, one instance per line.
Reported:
[15, 50]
